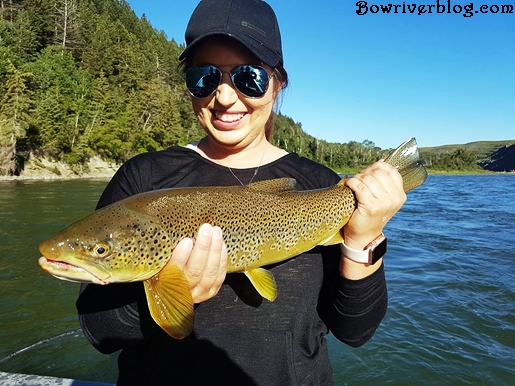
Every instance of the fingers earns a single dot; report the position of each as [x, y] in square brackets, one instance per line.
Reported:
[207, 264]
[204, 263]
[379, 181]
[380, 195]
[181, 253]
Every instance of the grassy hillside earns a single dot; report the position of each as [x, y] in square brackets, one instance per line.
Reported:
[473, 157]
[481, 149]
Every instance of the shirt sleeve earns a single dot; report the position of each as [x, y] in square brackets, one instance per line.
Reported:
[351, 309]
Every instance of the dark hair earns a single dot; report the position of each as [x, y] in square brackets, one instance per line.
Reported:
[282, 77]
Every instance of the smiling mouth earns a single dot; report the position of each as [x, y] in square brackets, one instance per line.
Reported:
[228, 117]
[68, 272]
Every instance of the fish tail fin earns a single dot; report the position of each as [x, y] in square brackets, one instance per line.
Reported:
[406, 159]
[170, 301]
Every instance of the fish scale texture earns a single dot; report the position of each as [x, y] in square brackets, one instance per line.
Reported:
[260, 225]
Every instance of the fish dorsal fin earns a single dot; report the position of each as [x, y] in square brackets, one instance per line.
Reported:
[170, 302]
[264, 282]
[277, 185]
[342, 180]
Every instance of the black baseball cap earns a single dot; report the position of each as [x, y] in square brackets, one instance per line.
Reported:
[251, 22]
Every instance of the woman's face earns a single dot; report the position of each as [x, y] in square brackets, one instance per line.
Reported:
[228, 117]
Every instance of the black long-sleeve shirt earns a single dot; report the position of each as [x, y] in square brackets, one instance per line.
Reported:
[238, 338]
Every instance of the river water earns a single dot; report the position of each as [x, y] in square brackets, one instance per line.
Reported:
[450, 270]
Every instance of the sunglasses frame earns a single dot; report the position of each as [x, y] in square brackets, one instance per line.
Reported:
[234, 72]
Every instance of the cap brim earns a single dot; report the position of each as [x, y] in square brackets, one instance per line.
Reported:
[262, 52]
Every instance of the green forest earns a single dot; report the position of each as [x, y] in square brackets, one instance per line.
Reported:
[88, 77]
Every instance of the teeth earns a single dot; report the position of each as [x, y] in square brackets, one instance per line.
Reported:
[229, 117]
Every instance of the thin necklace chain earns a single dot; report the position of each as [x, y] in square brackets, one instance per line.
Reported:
[255, 171]
[242, 184]
[234, 175]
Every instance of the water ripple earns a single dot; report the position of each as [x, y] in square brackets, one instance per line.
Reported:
[450, 270]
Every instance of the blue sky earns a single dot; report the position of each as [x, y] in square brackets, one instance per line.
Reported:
[441, 77]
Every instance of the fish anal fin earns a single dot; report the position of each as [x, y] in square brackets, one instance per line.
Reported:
[277, 185]
[334, 239]
[170, 302]
[264, 282]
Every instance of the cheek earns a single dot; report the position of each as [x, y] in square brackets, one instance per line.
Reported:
[200, 107]
[265, 105]
[262, 108]
[196, 104]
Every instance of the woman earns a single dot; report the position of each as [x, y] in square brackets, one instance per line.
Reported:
[234, 72]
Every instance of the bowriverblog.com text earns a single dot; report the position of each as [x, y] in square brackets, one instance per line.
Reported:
[439, 7]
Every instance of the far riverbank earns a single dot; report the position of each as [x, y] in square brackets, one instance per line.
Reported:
[44, 169]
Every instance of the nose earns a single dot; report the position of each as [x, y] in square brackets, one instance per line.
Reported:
[226, 95]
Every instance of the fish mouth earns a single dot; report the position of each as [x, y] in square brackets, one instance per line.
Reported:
[69, 272]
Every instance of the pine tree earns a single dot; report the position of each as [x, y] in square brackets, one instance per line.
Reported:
[14, 116]
[66, 23]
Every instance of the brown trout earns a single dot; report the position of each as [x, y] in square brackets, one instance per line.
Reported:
[262, 223]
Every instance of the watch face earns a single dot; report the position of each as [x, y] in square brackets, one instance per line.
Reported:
[379, 250]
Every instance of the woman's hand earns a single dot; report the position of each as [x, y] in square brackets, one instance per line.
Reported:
[380, 195]
[204, 263]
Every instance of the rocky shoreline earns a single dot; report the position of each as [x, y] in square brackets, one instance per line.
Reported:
[45, 169]
[503, 160]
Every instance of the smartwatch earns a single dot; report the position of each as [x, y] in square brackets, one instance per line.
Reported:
[370, 255]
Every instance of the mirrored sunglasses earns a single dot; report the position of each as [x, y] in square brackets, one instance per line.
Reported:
[251, 81]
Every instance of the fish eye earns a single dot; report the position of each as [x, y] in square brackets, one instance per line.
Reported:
[101, 250]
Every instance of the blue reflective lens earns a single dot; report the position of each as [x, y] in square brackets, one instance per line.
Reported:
[251, 81]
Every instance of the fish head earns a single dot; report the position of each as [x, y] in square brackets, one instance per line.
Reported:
[113, 244]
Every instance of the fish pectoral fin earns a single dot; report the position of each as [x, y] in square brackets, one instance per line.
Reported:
[264, 282]
[335, 239]
[170, 301]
